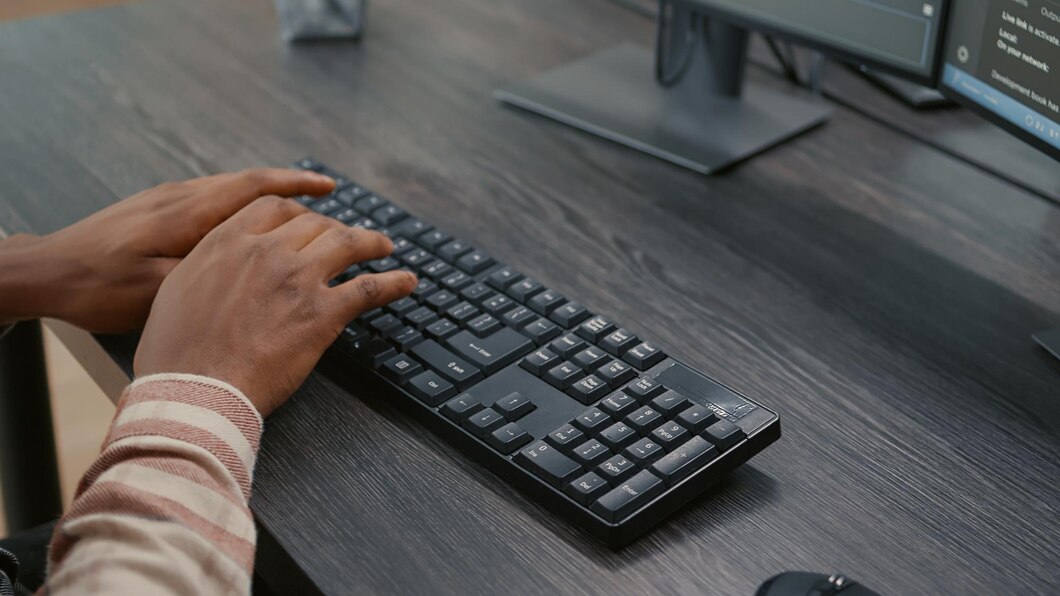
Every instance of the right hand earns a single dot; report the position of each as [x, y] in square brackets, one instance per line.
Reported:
[250, 305]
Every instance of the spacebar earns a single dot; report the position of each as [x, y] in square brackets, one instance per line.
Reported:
[494, 352]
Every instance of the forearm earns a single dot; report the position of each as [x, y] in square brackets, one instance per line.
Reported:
[28, 280]
[163, 510]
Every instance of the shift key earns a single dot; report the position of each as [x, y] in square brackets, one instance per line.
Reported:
[453, 368]
[628, 496]
[494, 352]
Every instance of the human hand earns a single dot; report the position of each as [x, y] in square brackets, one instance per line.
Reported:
[251, 306]
[102, 272]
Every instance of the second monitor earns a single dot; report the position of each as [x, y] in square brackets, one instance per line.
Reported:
[700, 112]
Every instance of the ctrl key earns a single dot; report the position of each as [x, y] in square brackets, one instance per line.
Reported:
[548, 464]
[430, 388]
[628, 496]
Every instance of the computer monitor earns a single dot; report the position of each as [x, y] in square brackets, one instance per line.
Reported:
[1002, 59]
[699, 112]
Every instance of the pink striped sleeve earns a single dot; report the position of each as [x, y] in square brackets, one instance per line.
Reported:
[163, 510]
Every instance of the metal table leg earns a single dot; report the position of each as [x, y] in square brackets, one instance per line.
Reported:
[29, 471]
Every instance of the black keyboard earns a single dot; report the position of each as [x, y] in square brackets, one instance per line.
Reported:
[586, 416]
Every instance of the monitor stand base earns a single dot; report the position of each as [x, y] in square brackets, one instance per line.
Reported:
[1050, 340]
[612, 94]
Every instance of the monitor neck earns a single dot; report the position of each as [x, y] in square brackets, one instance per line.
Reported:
[699, 56]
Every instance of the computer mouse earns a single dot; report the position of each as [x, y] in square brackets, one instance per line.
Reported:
[803, 583]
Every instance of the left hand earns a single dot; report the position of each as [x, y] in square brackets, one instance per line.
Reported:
[103, 272]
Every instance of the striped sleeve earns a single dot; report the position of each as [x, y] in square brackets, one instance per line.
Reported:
[163, 510]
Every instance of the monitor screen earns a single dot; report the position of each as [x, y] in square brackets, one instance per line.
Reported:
[1001, 59]
[901, 36]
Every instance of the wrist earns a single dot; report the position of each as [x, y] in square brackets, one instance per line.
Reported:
[28, 279]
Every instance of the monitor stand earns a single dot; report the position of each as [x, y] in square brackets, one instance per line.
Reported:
[916, 96]
[1050, 340]
[706, 120]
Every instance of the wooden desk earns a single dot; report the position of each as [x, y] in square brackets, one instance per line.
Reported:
[877, 293]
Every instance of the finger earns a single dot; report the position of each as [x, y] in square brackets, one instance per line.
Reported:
[336, 249]
[229, 193]
[300, 231]
[372, 290]
[266, 214]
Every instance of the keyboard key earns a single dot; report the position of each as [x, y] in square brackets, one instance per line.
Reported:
[421, 318]
[618, 404]
[592, 421]
[437, 270]
[441, 329]
[476, 293]
[491, 353]
[326, 206]
[618, 436]
[383, 265]
[587, 488]
[498, 305]
[346, 215]
[569, 315]
[431, 389]
[453, 250]
[405, 338]
[617, 342]
[670, 403]
[685, 459]
[540, 331]
[518, 317]
[644, 451]
[462, 313]
[546, 302]
[616, 469]
[508, 438]
[474, 262]
[349, 196]
[697, 418]
[503, 277]
[404, 305]
[483, 422]
[548, 464]
[400, 369]
[643, 389]
[644, 356]
[351, 335]
[514, 406]
[595, 329]
[524, 289]
[441, 300]
[364, 222]
[454, 282]
[385, 325]
[723, 434]
[423, 289]
[540, 361]
[484, 325]
[590, 358]
[389, 214]
[417, 257]
[349, 273]
[567, 345]
[669, 435]
[446, 364]
[411, 228]
[590, 453]
[401, 246]
[588, 390]
[461, 407]
[368, 204]
[566, 437]
[563, 375]
[627, 498]
[433, 239]
[643, 419]
[308, 163]
[368, 315]
[616, 373]
[374, 352]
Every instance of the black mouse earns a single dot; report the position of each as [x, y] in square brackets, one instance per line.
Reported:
[802, 583]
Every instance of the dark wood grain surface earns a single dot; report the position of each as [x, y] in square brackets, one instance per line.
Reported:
[877, 293]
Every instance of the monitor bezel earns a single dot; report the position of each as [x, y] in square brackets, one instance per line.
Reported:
[930, 79]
